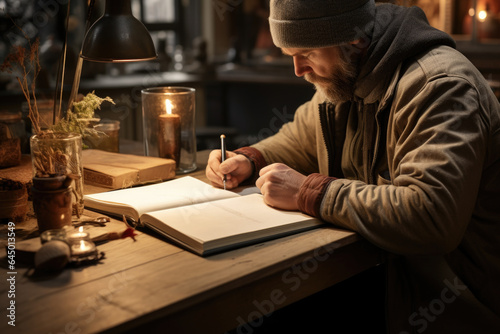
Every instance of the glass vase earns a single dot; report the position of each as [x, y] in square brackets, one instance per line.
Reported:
[168, 115]
[60, 154]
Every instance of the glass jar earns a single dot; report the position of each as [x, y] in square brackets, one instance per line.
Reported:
[60, 154]
[53, 234]
[168, 115]
[106, 137]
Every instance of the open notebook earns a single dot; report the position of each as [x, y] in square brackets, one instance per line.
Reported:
[200, 217]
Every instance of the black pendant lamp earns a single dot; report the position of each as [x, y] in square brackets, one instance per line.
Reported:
[118, 36]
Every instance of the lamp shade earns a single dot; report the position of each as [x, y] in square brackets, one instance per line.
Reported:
[118, 36]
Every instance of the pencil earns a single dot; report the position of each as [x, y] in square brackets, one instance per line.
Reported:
[223, 155]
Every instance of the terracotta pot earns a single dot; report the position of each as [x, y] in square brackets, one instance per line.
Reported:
[53, 208]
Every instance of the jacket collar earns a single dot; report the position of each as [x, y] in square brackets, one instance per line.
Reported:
[381, 92]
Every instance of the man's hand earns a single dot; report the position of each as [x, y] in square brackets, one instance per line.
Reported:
[280, 186]
[237, 168]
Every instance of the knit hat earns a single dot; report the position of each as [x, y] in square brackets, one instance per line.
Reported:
[319, 23]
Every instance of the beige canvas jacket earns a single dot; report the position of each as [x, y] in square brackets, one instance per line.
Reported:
[413, 165]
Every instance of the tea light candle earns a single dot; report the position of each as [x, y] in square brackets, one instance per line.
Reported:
[80, 243]
[169, 134]
[82, 248]
[55, 234]
[78, 235]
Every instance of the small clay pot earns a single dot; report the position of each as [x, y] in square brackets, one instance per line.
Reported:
[53, 208]
[52, 202]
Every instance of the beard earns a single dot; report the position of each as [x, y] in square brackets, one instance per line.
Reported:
[338, 86]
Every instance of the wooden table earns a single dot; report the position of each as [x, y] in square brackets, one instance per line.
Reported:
[153, 285]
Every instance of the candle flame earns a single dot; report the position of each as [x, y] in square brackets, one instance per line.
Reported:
[482, 15]
[169, 106]
[80, 229]
[82, 245]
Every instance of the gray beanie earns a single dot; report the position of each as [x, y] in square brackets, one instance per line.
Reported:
[319, 23]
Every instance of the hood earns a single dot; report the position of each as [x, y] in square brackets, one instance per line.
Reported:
[399, 33]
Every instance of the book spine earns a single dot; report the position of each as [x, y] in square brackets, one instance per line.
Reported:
[97, 179]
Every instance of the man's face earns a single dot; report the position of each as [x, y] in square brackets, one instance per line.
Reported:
[328, 69]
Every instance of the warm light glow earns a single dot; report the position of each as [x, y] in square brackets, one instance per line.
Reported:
[169, 106]
[482, 15]
[82, 245]
[472, 12]
[80, 229]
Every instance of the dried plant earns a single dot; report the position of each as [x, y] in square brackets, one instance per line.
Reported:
[80, 119]
[25, 65]
[51, 158]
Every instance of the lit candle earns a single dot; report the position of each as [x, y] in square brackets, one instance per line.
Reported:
[169, 134]
[82, 248]
[78, 235]
[80, 243]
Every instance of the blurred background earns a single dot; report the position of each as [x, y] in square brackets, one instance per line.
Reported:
[245, 87]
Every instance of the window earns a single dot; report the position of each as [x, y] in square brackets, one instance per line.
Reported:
[164, 19]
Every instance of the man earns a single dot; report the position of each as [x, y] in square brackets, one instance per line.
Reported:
[400, 143]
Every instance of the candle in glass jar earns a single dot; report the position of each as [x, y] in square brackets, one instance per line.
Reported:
[80, 243]
[169, 134]
[55, 234]
[82, 248]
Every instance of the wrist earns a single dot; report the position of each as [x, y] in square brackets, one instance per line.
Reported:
[311, 193]
[256, 160]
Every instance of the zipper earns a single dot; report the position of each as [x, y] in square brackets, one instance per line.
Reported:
[375, 151]
[328, 129]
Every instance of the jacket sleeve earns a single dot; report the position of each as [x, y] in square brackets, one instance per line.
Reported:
[436, 143]
[295, 143]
